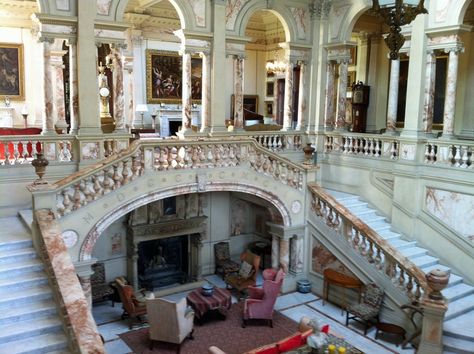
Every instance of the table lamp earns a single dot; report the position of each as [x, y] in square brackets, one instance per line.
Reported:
[141, 108]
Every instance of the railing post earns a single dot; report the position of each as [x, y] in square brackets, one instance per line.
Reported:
[432, 330]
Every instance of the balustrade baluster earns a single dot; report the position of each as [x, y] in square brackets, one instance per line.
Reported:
[366, 146]
[433, 153]
[409, 287]
[300, 181]
[451, 154]
[279, 143]
[77, 196]
[363, 246]
[464, 157]
[418, 292]
[34, 148]
[97, 186]
[377, 148]
[105, 182]
[389, 266]
[25, 150]
[393, 150]
[85, 189]
[116, 178]
[134, 167]
[378, 258]
[66, 202]
[457, 156]
[356, 240]
[370, 254]
[427, 153]
[401, 277]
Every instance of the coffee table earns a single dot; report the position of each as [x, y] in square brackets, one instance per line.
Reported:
[220, 301]
[389, 328]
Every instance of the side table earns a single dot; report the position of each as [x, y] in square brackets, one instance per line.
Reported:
[389, 328]
[220, 301]
[344, 281]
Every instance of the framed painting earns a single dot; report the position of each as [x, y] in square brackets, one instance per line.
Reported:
[11, 72]
[164, 77]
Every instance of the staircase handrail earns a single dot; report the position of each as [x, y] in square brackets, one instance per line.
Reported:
[392, 257]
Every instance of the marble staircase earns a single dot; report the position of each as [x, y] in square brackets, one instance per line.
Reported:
[28, 314]
[459, 322]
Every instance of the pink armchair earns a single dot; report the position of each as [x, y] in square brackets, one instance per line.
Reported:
[261, 301]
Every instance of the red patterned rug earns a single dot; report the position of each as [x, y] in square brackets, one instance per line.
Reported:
[226, 334]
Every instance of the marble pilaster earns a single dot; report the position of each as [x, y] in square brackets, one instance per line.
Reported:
[451, 84]
[48, 116]
[302, 94]
[296, 254]
[428, 104]
[59, 109]
[288, 99]
[86, 288]
[128, 65]
[138, 95]
[329, 113]
[275, 252]
[284, 254]
[393, 96]
[187, 94]
[117, 89]
[206, 92]
[342, 92]
[238, 92]
[73, 97]
[432, 328]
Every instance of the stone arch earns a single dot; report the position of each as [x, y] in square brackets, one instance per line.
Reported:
[280, 11]
[45, 6]
[347, 16]
[97, 229]
[458, 11]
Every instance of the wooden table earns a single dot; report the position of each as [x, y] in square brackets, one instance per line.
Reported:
[344, 281]
[389, 328]
[220, 301]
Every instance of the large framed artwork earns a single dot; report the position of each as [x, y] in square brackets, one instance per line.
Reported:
[11, 72]
[250, 103]
[164, 77]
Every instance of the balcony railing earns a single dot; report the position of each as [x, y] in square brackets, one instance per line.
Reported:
[450, 153]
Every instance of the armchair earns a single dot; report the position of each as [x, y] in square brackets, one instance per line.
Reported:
[239, 281]
[169, 321]
[131, 305]
[368, 309]
[100, 289]
[224, 265]
[261, 301]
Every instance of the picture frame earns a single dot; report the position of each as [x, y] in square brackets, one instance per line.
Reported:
[269, 108]
[250, 103]
[164, 77]
[270, 89]
[12, 83]
[353, 53]
[351, 78]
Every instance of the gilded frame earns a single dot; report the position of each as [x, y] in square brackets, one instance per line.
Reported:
[164, 77]
[12, 83]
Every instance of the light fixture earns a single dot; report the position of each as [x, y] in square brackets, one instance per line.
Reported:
[276, 66]
[141, 108]
[397, 13]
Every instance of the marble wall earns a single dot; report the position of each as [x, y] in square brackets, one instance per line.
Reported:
[322, 258]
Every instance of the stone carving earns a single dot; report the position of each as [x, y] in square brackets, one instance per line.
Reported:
[238, 216]
[201, 180]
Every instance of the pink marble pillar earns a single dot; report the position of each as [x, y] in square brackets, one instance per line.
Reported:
[206, 92]
[342, 93]
[128, 66]
[238, 92]
[329, 100]
[48, 117]
[393, 96]
[86, 288]
[296, 254]
[59, 109]
[302, 94]
[186, 93]
[450, 100]
[275, 252]
[284, 254]
[288, 100]
[430, 79]
[117, 89]
[73, 97]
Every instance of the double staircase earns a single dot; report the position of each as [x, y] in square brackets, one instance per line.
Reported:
[459, 321]
[29, 318]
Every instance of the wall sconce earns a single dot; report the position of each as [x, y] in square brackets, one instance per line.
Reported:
[162, 105]
[397, 13]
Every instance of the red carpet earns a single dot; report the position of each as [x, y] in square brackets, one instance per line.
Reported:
[228, 335]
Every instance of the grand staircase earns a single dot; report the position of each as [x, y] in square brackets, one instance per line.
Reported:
[29, 318]
[459, 321]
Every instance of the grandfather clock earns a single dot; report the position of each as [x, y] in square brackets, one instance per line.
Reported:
[360, 102]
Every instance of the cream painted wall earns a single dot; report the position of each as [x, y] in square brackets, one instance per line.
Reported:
[464, 120]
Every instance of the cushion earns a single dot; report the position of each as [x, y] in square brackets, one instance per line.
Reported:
[267, 349]
[289, 343]
[305, 335]
[245, 270]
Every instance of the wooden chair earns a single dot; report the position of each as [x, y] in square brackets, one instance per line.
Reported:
[239, 282]
[368, 309]
[131, 306]
[224, 265]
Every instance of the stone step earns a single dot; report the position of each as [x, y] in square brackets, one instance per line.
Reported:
[341, 195]
[25, 296]
[16, 244]
[413, 252]
[425, 261]
[461, 327]
[45, 343]
[401, 244]
[458, 291]
[13, 229]
[459, 307]
[389, 234]
[26, 215]
[373, 218]
[457, 345]
[362, 210]
[12, 270]
[27, 329]
[23, 281]
[22, 312]
[378, 228]
[18, 254]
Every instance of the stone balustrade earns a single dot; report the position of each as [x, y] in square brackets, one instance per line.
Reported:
[367, 243]
[450, 153]
[277, 141]
[367, 145]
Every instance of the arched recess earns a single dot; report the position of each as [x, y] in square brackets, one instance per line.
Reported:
[85, 252]
[346, 18]
[280, 11]
[182, 7]
[45, 6]
[458, 11]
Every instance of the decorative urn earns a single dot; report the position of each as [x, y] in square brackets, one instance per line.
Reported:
[40, 163]
[308, 152]
[207, 289]
[437, 280]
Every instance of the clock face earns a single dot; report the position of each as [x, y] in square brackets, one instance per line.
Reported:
[70, 238]
[104, 91]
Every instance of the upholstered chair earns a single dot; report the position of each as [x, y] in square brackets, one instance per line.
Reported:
[131, 305]
[100, 289]
[368, 309]
[169, 321]
[243, 279]
[224, 265]
[261, 301]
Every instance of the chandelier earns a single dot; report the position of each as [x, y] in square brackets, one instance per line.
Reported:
[397, 13]
[275, 67]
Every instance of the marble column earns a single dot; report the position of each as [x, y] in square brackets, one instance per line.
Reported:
[450, 100]
[275, 252]
[288, 100]
[302, 94]
[430, 79]
[59, 108]
[139, 75]
[130, 111]
[238, 92]
[393, 97]
[85, 281]
[206, 92]
[284, 255]
[73, 97]
[48, 117]
[186, 93]
[329, 100]
[296, 255]
[342, 93]
[117, 89]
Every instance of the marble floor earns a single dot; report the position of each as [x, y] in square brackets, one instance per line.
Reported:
[293, 305]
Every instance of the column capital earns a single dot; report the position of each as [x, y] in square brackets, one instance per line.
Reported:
[455, 48]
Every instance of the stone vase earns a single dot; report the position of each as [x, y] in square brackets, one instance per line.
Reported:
[40, 163]
[437, 280]
[308, 152]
